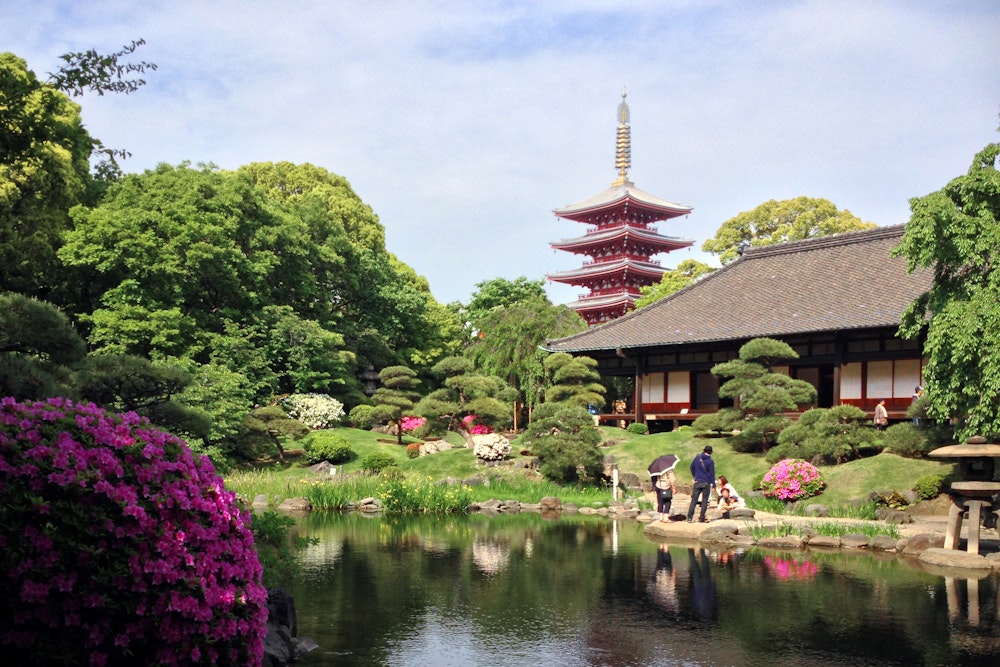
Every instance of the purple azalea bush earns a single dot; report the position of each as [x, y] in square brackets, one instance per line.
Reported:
[118, 546]
[792, 479]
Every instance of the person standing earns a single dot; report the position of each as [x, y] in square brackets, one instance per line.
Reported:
[918, 391]
[703, 474]
[666, 487]
[881, 415]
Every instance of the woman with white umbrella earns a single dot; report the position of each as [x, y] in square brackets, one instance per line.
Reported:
[665, 483]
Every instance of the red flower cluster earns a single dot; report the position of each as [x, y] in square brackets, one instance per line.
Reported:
[118, 546]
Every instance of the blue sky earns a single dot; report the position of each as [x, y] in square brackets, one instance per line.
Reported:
[464, 124]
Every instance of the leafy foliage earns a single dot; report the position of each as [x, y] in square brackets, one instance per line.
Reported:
[956, 230]
[363, 416]
[565, 440]
[376, 462]
[762, 394]
[929, 486]
[722, 421]
[509, 340]
[396, 395]
[637, 428]
[328, 446]
[573, 380]
[905, 439]
[465, 394]
[779, 222]
[105, 522]
[836, 434]
[268, 425]
[686, 273]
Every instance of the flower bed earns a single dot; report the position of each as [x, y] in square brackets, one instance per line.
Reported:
[118, 546]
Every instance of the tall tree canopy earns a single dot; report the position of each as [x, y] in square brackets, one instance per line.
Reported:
[956, 230]
[509, 341]
[778, 222]
[672, 281]
[44, 167]
[498, 293]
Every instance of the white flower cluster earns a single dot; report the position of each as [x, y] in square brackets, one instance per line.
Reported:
[491, 447]
[314, 410]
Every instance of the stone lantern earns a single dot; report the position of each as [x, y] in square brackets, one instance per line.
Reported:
[976, 492]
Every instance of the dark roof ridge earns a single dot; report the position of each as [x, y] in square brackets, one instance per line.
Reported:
[828, 241]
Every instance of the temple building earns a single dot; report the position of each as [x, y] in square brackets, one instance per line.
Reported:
[619, 239]
[836, 300]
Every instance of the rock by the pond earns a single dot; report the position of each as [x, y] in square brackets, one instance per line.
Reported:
[781, 542]
[550, 503]
[725, 533]
[828, 541]
[882, 543]
[918, 543]
[954, 558]
[295, 505]
[854, 541]
[281, 643]
[259, 501]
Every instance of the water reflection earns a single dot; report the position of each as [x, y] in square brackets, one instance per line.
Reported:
[523, 590]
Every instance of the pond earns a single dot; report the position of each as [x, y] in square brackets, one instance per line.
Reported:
[522, 590]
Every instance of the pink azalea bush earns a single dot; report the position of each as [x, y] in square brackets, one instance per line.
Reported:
[118, 546]
[475, 429]
[792, 479]
[411, 424]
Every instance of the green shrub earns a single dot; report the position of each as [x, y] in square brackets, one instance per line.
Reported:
[413, 450]
[328, 446]
[565, 440]
[376, 462]
[363, 416]
[905, 439]
[638, 428]
[837, 434]
[929, 486]
[755, 482]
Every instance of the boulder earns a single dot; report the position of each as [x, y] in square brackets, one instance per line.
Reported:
[826, 541]
[923, 541]
[295, 505]
[882, 543]
[953, 558]
[816, 509]
[854, 541]
[725, 534]
[550, 503]
[890, 515]
[781, 542]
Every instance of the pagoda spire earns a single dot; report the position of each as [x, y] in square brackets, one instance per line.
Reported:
[623, 143]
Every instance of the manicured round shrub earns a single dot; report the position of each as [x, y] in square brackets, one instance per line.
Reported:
[905, 439]
[376, 462]
[929, 486]
[413, 450]
[792, 479]
[637, 428]
[118, 546]
[362, 416]
[327, 446]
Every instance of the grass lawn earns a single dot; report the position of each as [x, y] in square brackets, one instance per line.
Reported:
[632, 454]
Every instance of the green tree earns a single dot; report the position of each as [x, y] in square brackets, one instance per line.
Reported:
[509, 340]
[837, 434]
[762, 394]
[565, 440]
[38, 348]
[686, 273]
[500, 293]
[573, 380]
[269, 425]
[396, 395]
[44, 168]
[466, 392]
[956, 230]
[779, 222]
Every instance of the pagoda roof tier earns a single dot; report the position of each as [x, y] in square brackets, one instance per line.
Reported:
[623, 201]
[601, 302]
[620, 234]
[593, 271]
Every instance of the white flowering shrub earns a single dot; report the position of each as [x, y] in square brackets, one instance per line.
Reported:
[314, 410]
[491, 447]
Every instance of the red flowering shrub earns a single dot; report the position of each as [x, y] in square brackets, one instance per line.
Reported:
[118, 546]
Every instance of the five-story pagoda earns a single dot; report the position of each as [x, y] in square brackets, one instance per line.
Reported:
[619, 240]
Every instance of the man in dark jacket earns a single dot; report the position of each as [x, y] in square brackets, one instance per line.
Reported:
[703, 474]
